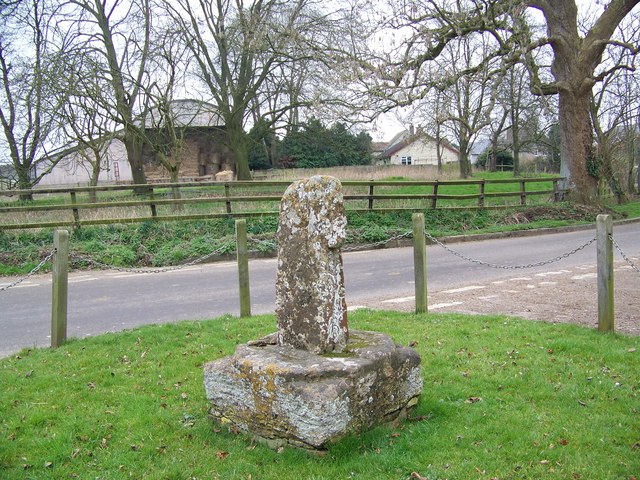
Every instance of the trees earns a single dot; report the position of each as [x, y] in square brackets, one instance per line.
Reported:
[576, 59]
[242, 50]
[469, 101]
[28, 100]
[116, 36]
[312, 145]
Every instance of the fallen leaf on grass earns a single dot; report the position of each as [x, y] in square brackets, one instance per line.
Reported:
[417, 476]
[473, 400]
[221, 455]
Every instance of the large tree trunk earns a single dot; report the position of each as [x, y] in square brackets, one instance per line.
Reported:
[576, 139]
[238, 143]
[133, 146]
[24, 181]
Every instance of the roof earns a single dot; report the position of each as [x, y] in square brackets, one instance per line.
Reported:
[404, 139]
[188, 113]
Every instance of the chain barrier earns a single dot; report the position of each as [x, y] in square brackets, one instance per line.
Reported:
[271, 245]
[626, 258]
[510, 267]
[31, 273]
[376, 244]
[76, 258]
[268, 245]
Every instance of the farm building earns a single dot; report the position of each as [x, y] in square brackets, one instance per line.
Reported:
[202, 149]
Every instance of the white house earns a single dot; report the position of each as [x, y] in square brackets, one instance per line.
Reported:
[407, 148]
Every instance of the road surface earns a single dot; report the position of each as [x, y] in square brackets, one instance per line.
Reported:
[107, 301]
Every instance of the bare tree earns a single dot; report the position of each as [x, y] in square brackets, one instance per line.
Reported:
[469, 101]
[242, 49]
[614, 107]
[28, 101]
[576, 66]
[116, 34]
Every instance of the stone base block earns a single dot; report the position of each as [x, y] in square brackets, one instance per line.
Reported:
[286, 395]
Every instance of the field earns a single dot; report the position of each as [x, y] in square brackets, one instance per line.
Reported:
[503, 398]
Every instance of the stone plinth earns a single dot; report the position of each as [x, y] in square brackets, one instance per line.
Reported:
[288, 395]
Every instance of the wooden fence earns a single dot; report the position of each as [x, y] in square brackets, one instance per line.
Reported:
[62, 207]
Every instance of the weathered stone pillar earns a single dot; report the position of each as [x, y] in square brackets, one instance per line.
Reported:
[310, 297]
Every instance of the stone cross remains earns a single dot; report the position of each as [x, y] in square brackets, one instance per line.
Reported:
[312, 382]
[310, 296]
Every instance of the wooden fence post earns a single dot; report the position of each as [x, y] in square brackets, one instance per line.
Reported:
[420, 262]
[434, 200]
[60, 288]
[227, 194]
[243, 268]
[154, 211]
[371, 195]
[76, 212]
[604, 226]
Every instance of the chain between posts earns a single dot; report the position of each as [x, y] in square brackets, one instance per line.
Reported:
[83, 258]
[377, 244]
[271, 244]
[31, 273]
[626, 258]
[510, 267]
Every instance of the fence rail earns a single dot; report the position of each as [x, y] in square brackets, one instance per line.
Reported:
[257, 198]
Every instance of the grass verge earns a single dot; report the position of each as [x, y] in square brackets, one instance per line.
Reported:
[503, 398]
[163, 244]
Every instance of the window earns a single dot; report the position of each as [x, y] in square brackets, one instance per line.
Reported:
[406, 160]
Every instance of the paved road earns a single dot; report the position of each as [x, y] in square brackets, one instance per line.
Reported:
[102, 301]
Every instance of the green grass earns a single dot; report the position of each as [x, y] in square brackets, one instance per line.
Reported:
[503, 398]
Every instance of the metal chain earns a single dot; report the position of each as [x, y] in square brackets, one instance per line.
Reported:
[376, 244]
[510, 267]
[273, 245]
[268, 243]
[627, 259]
[31, 273]
[83, 258]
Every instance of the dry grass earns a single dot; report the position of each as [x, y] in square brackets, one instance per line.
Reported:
[364, 172]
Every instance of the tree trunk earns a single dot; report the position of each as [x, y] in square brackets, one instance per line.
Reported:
[134, 155]
[632, 155]
[24, 182]
[238, 144]
[93, 180]
[463, 157]
[515, 146]
[576, 134]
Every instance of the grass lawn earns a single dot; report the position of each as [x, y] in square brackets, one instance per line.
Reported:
[503, 399]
